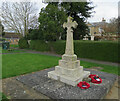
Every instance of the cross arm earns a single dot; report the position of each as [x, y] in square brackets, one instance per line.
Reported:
[75, 24]
[64, 25]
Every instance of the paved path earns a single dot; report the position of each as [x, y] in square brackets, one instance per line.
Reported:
[53, 54]
[17, 90]
[13, 53]
[84, 59]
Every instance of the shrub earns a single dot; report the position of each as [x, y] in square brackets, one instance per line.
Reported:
[39, 45]
[23, 43]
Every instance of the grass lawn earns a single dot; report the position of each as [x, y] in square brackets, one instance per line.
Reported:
[17, 64]
[12, 50]
[0, 49]
[106, 68]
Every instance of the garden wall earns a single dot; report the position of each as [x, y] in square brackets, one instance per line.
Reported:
[104, 51]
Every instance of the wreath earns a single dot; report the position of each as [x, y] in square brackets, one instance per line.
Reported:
[95, 79]
[83, 85]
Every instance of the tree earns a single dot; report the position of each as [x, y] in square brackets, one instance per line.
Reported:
[3, 33]
[55, 14]
[34, 34]
[112, 26]
[80, 11]
[51, 20]
[19, 16]
[119, 24]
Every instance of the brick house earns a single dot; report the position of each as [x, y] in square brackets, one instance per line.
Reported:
[13, 38]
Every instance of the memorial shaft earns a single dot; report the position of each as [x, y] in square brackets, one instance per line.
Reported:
[69, 42]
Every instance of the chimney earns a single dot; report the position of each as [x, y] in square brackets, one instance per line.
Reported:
[103, 20]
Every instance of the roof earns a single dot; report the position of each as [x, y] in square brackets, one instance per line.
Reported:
[99, 24]
[11, 35]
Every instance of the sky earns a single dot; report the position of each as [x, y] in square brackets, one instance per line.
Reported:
[106, 9]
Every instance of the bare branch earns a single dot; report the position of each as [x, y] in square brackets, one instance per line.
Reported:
[19, 17]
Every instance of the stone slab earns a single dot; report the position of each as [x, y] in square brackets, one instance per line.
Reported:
[58, 90]
[70, 80]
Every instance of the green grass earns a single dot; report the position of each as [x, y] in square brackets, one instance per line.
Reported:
[12, 51]
[3, 97]
[0, 49]
[106, 68]
[17, 64]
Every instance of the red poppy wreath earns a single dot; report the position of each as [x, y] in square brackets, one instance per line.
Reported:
[83, 85]
[95, 79]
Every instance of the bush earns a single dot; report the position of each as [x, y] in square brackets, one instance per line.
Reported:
[39, 45]
[23, 43]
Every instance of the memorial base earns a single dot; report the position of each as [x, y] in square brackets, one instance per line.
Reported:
[67, 79]
[69, 70]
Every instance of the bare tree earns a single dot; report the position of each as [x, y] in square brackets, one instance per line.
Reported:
[19, 16]
[112, 26]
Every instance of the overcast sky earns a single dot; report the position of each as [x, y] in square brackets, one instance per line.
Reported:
[103, 8]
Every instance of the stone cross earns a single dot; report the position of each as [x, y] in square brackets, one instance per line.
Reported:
[69, 70]
[69, 41]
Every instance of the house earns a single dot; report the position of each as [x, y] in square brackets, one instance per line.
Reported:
[97, 28]
[12, 37]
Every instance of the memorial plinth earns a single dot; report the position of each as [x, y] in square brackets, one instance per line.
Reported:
[69, 70]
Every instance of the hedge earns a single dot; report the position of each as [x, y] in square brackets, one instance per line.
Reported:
[104, 51]
[58, 47]
[39, 45]
[97, 50]
[23, 43]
